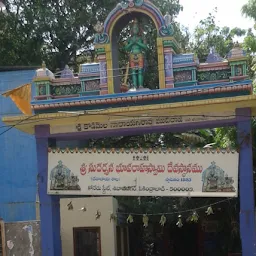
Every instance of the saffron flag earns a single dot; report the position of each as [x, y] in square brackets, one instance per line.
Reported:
[21, 96]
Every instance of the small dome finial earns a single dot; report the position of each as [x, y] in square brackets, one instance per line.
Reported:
[167, 18]
[43, 65]
[67, 72]
[2, 7]
[237, 45]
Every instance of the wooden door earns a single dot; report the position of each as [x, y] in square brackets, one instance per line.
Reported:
[87, 241]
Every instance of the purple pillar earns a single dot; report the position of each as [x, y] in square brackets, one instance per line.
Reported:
[49, 205]
[247, 218]
[103, 75]
[168, 66]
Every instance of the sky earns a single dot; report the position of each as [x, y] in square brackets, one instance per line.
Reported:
[229, 13]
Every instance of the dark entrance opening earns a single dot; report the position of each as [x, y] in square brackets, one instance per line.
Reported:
[165, 241]
[185, 240]
[87, 241]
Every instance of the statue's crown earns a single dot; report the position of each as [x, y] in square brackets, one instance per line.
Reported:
[135, 21]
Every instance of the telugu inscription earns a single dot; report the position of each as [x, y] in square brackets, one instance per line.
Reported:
[108, 168]
[146, 172]
[140, 122]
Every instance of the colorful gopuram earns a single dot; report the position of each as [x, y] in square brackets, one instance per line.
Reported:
[106, 99]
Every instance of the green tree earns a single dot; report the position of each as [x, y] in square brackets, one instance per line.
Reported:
[55, 31]
[207, 34]
[249, 9]
[20, 36]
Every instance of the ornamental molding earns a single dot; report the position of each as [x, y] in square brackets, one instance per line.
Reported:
[142, 150]
[239, 101]
[149, 97]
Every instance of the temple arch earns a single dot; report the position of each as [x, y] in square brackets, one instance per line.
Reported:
[106, 41]
[146, 8]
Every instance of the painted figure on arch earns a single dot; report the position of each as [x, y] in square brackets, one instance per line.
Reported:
[136, 48]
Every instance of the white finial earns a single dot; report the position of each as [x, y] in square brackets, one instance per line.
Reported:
[43, 65]
[2, 7]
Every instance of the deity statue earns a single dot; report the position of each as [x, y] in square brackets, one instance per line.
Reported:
[136, 49]
[62, 179]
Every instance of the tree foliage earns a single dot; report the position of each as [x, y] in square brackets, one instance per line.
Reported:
[55, 31]
[207, 34]
[249, 9]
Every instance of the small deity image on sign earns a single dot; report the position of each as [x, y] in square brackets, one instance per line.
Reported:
[215, 180]
[61, 178]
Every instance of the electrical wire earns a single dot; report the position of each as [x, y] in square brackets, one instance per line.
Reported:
[176, 96]
[12, 126]
[178, 212]
[135, 214]
[117, 115]
[156, 68]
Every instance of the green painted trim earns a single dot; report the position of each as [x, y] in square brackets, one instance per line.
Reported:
[82, 86]
[97, 92]
[244, 70]
[242, 62]
[170, 43]
[185, 83]
[232, 70]
[100, 50]
[43, 83]
[84, 79]
[213, 75]
[37, 90]
[185, 68]
[47, 89]
[194, 74]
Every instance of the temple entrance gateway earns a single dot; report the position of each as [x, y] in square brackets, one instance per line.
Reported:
[71, 110]
[141, 172]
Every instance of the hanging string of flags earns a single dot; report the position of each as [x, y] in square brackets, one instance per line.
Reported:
[194, 217]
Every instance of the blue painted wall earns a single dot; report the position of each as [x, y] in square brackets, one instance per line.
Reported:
[18, 168]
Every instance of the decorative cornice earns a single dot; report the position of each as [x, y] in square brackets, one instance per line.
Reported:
[237, 62]
[143, 150]
[213, 69]
[135, 98]
[95, 76]
[188, 67]
[237, 59]
[65, 81]
[179, 108]
[213, 66]
[217, 81]
[238, 77]
[187, 83]
[185, 65]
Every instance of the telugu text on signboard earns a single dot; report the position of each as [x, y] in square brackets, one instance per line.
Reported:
[143, 174]
[125, 123]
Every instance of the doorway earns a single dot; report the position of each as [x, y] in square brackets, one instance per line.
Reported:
[185, 240]
[87, 241]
